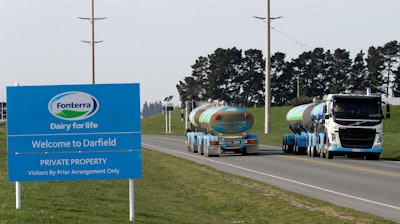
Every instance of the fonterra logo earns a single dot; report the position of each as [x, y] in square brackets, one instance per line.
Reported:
[73, 105]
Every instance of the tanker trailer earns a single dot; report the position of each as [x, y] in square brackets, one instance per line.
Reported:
[216, 128]
[192, 123]
[300, 123]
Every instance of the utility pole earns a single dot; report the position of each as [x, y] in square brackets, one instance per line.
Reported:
[267, 75]
[267, 19]
[92, 42]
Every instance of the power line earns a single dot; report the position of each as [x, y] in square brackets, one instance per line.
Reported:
[302, 44]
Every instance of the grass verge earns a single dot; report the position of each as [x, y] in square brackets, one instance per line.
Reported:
[172, 190]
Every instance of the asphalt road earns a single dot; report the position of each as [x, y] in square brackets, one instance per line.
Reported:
[364, 185]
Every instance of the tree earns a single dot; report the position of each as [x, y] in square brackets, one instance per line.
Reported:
[375, 67]
[152, 108]
[396, 83]
[309, 68]
[342, 68]
[194, 87]
[329, 70]
[358, 80]
[224, 76]
[389, 53]
[253, 79]
[145, 111]
[282, 82]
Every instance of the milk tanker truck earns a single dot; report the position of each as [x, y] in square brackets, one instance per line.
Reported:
[343, 124]
[213, 128]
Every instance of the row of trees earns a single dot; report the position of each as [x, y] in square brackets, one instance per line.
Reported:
[226, 75]
[151, 108]
[238, 78]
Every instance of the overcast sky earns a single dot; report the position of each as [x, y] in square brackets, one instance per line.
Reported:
[154, 42]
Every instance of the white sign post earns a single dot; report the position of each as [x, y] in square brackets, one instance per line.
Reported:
[131, 200]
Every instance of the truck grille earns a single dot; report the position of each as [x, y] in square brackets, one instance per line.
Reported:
[357, 138]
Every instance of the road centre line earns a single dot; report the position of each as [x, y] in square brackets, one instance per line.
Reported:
[276, 177]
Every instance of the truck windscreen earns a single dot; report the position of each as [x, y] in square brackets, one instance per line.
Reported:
[357, 108]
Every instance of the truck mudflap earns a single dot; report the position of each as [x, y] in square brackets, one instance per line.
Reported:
[212, 150]
[252, 149]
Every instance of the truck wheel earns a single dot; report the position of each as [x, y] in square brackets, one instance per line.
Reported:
[290, 148]
[195, 148]
[308, 151]
[200, 149]
[372, 156]
[206, 151]
[284, 147]
[321, 153]
[244, 151]
[329, 155]
[188, 146]
[313, 152]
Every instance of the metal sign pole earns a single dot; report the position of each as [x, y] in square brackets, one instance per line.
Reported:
[169, 114]
[166, 119]
[131, 200]
[17, 195]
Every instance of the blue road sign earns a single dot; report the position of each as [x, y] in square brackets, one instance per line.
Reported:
[74, 132]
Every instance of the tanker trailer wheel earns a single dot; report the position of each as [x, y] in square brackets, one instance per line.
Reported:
[188, 145]
[321, 152]
[296, 149]
[313, 152]
[308, 151]
[290, 148]
[284, 146]
[206, 151]
[200, 147]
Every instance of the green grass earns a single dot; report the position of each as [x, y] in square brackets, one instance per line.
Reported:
[156, 125]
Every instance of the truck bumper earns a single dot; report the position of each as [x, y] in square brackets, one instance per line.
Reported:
[340, 149]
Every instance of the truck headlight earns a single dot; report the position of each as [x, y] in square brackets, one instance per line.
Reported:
[334, 137]
[379, 139]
